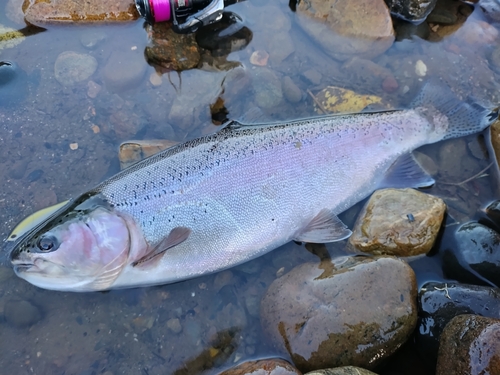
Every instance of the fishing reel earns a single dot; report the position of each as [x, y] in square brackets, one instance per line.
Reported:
[187, 16]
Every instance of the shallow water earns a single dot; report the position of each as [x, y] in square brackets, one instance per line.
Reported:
[126, 332]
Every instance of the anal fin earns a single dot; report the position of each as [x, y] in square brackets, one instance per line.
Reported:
[325, 227]
[406, 172]
[174, 238]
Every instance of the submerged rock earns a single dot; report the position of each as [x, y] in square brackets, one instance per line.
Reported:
[346, 370]
[475, 256]
[267, 88]
[402, 222]
[441, 302]
[43, 12]
[470, 344]
[263, 367]
[73, 67]
[346, 29]
[21, 313]
[124, 70]
[414, 11]
[350, 311]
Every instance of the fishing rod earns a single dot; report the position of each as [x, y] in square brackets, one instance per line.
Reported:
[187, 16]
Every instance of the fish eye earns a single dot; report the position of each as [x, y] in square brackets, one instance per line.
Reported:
[47, 243]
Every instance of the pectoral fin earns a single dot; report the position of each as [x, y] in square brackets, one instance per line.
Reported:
[325, 227]
[406, 172]
[174, 238]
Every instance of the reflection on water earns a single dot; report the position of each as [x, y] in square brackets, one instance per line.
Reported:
[59, 140]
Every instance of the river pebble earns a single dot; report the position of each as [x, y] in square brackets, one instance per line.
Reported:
[339, 29]
[267, 88]
[263, 367]
[309, 312]
[470, 344]
[72, 67]
[291, 91]
[21, 313]
[474, 256]
[346, 370]
[124, 70]
[402, 222]
[174, 325]
[411, 10]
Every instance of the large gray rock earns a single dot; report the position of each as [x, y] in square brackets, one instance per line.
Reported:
[346, 29]
[411, 10]
[351, 311]
[346, 370]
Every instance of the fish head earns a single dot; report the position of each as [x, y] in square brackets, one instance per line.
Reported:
[82, 246]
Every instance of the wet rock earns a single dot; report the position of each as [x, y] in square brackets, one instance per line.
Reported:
[341, 30]
[174, 325]
[21, 313]
[438, 303]
[347, 370]
[411, 10]
[408, 30]
[309, 312]
[72, 67]
[13, 83]
[474, 257]
[43, 12]
[124, 70]
[444, 13]
[402, 222]
[470, 344]
[263, 367]
[495, 137]
[171, 51]
[133, 151]
[291, 91]
[267, 88]
[491, 8]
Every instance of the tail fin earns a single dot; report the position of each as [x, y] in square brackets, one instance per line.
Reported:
[464, 117]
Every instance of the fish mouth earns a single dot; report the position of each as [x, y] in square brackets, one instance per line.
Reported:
[20, 266]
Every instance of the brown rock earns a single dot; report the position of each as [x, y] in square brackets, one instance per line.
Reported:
[495, 140]
[171, 51]
[42, 12]
[401, 222]
[351, 311]
[133, 151]
[263, 367]
[346, 29]
[470, 344]
[347, 370]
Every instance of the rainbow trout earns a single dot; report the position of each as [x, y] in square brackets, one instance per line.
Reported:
[223, 199]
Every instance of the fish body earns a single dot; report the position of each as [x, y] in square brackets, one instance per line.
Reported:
[221, 200]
